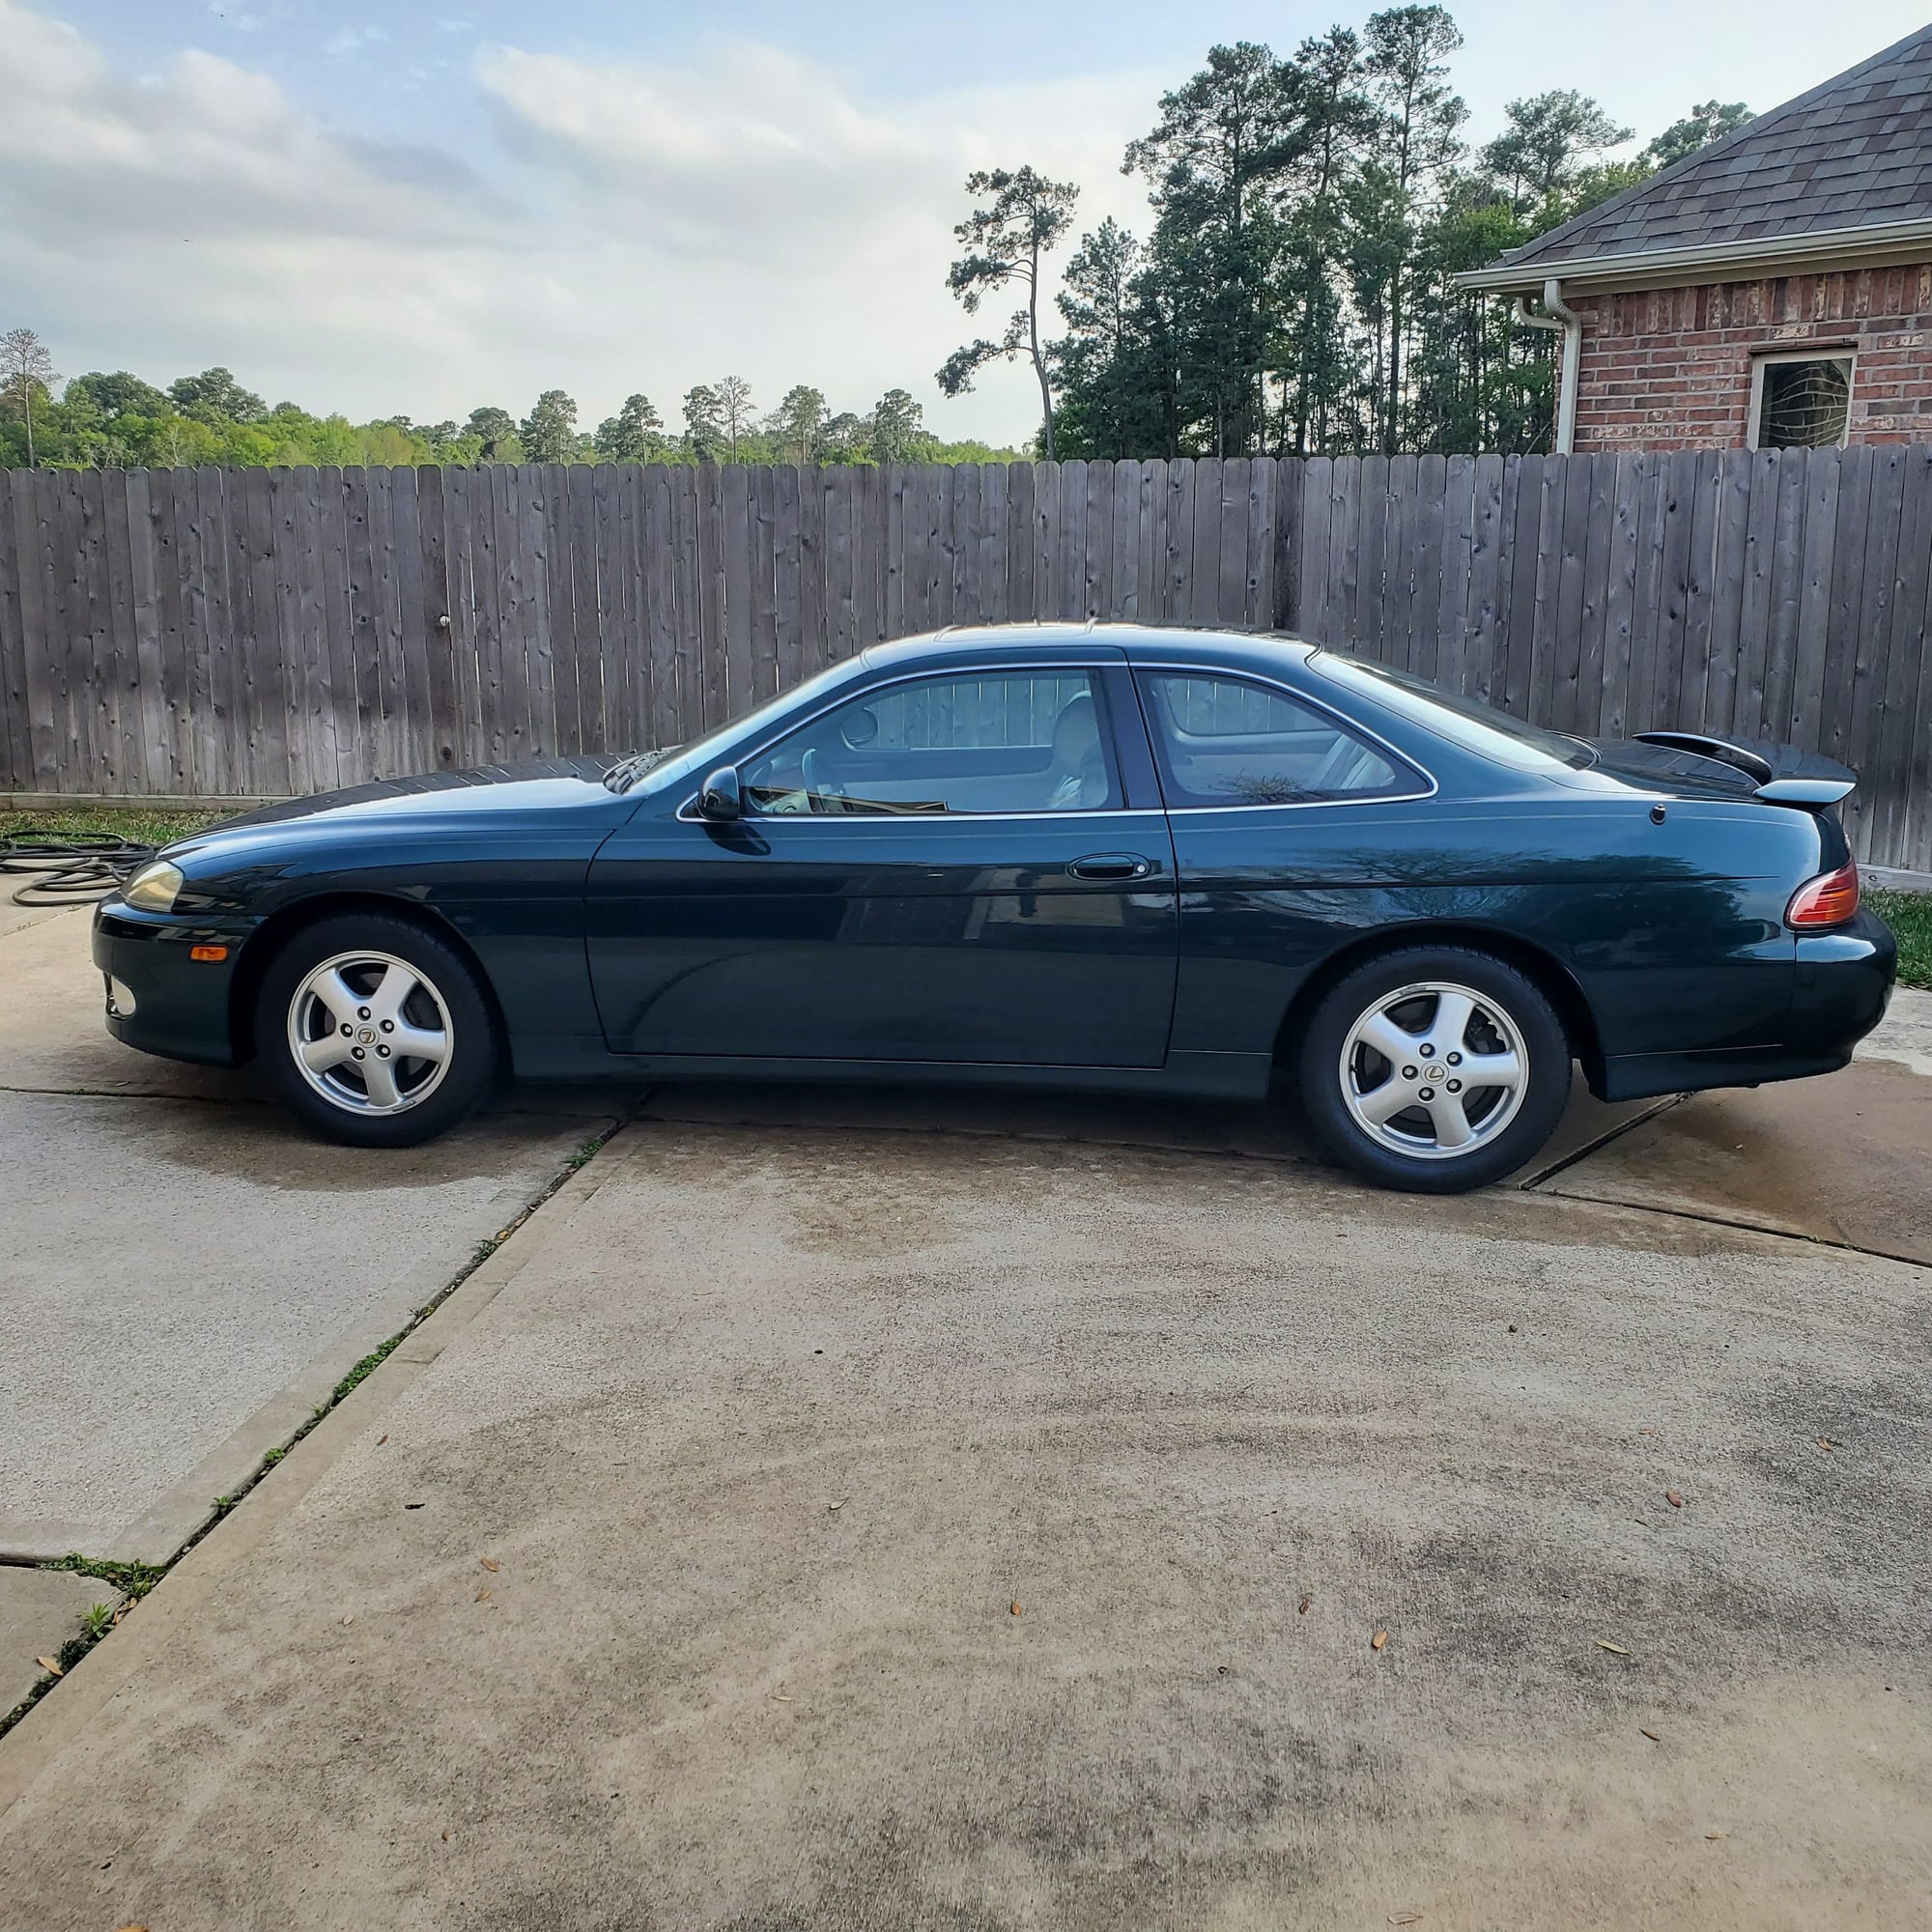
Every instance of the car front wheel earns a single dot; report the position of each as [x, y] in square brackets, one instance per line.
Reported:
[1434, 1069]
[376, 1030]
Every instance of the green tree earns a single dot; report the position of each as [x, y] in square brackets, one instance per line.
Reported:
[1709, 121]
[118, 395]
[1005, 243]
[799, 422]
[549, 430]
[1337, 117]
[495, 434]
[634, 434]
[1113, 396]
[1217, 160]
[215, 397]
[734, 413]
[1406, 53]
[27, 376]
[1549, 141]
[898, 429]
[704, 422]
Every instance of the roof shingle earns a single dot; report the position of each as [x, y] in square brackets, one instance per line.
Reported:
[1854, 152]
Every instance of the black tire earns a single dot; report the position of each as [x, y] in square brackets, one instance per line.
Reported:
[448, 1006]
[1507, 1004]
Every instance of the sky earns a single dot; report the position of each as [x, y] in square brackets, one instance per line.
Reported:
[423, 209]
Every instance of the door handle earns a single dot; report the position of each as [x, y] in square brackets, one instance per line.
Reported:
[1103, 866]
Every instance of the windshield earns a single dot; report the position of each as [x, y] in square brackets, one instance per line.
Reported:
[1466, 721]
[679, 760]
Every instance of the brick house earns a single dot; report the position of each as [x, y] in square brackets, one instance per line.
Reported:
[1772, 288]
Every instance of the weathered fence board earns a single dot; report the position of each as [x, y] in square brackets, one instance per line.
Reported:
[258, 632]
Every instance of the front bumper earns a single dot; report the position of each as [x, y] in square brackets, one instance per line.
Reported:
[182, 1006]
[1842, 982]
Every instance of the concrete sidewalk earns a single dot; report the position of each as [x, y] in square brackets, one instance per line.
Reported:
[815, 1529]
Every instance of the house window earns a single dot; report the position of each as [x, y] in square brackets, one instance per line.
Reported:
[1801, 400]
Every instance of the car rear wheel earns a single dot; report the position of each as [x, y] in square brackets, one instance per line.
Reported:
[376, 1030]
[1434, 1069]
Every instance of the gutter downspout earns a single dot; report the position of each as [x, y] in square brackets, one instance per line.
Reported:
[1557, 314]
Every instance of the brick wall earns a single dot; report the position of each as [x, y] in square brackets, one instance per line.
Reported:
[1671, 368]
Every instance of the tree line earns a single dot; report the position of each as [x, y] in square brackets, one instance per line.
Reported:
[1293, 293]
[101, 420]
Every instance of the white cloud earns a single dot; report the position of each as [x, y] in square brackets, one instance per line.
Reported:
[637, 227]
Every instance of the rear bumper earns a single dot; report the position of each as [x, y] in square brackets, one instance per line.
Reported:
[1842, 982]
[180, 1005]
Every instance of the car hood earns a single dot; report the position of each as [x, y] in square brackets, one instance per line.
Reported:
[529, 785]
[503, 787]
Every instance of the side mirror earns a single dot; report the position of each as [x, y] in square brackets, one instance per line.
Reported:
[721, 801]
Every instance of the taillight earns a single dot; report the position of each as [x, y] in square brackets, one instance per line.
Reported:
[1829, 900]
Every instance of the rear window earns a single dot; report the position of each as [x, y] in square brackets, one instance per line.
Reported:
[1466, 721]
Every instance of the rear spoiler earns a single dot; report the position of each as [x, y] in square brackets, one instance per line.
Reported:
[1782, 774]
[1817, 793]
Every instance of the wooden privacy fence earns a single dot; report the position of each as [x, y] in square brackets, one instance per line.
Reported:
[249, 632]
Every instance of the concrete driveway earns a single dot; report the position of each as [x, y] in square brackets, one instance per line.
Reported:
[842, 1510]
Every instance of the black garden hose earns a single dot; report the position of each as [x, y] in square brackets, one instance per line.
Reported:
[70, 872]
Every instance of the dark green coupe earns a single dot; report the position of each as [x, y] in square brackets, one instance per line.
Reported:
[1106, 857]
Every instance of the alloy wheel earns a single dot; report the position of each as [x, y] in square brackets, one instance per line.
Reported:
[1435, 1070]
[370, 1033]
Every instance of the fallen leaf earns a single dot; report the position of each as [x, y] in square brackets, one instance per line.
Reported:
[483, 1595]
[349, 1619]
[1380, 1638]
[1824, 1442]
[835, 1508]
[1714, 1837]
[48, 1664]
[1615, 1649]
[1405, 1918]
[1675, 1501]
[1017, 1611]
[1307, 1604]
[490, 1563]
[779, 1697]
[1651, 1735]
[381, 1439]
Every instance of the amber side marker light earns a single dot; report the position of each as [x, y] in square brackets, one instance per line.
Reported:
[1829, 899]
[208, 952]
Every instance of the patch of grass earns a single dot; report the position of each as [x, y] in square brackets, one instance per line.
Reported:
[1910, 917]
[132, 1579]
[365, 1368]
[91, 821]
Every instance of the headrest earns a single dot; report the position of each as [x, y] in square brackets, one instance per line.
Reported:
[1076, 731]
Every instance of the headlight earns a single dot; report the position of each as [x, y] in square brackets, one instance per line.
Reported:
[153, 888]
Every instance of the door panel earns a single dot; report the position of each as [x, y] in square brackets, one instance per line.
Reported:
[941, 939]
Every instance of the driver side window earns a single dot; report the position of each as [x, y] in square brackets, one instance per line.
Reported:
[1020, 741]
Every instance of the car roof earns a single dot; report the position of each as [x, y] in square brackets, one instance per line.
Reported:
[1062, 641]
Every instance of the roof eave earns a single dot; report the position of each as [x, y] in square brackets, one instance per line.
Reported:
[1876, 245]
